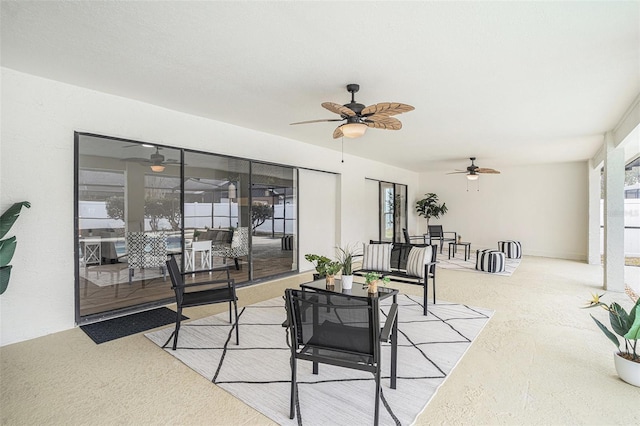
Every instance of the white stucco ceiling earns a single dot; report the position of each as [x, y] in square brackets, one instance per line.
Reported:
[508, 82]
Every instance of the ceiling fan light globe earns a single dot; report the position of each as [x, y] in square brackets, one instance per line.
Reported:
[353, 130]
[472, 176]
[157, 168]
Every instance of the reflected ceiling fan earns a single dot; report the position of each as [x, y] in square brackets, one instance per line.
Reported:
[156, 161]
[474, 171]
[358, 117]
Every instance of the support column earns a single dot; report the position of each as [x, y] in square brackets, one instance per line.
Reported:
[613, 216]
[593, 250]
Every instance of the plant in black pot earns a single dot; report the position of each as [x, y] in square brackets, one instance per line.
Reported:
[319, 262]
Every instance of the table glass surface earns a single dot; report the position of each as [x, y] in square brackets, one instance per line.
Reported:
[357, 289]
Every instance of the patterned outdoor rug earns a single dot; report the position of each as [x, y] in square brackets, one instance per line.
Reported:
[458, 263]
[258, 370]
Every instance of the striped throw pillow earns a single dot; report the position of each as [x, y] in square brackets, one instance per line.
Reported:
[418, 257]
[377, 257]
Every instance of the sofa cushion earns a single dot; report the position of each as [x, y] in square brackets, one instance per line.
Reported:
[377, 257]
[418, 257]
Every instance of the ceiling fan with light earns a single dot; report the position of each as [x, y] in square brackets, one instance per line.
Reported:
[156, 161]
[358, 117]
[473, 171]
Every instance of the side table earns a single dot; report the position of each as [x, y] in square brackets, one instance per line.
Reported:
[467, 249]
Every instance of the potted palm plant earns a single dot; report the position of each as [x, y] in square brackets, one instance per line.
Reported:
[428, 207]
[627, 326]
[345, 256]
[8, 246]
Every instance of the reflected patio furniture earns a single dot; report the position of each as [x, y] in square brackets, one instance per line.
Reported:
[436, 233]
[239, 246]
[146, 250]
[224, 291]
[336, 329]
[92, 253]
[202, 247]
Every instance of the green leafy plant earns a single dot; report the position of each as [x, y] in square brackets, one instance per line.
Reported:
[332, 267]
[318, 261]
[429, 207]
[370, 277]
[8, 246]
[345, 256]
[625, 325]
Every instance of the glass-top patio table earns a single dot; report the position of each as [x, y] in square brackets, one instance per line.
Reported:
[360, 290]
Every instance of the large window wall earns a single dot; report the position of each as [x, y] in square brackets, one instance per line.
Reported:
[136, 204]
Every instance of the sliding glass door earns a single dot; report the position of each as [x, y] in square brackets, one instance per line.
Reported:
[137, 204]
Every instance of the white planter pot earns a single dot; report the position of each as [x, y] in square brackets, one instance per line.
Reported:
[347, 282]
[629, 371]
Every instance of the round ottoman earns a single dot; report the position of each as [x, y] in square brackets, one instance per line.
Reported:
[513, 249]
[490, 260]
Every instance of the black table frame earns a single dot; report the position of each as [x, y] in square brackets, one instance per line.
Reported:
[467, 249]
[360, 290]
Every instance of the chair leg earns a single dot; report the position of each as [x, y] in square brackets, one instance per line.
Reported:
[175, 334]
[376, 416]
[294, 393]
[433, 280]
[425, 296]
[235, 309]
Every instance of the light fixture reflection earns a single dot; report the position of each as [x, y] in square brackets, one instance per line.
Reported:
[353, 130]
[157, 168]
[232, 190]
[473, 176]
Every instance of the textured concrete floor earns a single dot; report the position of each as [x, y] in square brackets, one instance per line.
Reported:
[540, 360]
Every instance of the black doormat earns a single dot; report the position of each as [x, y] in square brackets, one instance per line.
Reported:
[116, 328]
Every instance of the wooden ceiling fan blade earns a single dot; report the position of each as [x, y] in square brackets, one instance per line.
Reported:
[383, 122]
[337, 133]
[455, 173]
[488, 171]
[322, 120]
[338, 109]
[387, 108]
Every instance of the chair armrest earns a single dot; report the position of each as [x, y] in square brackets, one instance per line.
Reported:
[230, 282]
[218, 269]
[391, 318]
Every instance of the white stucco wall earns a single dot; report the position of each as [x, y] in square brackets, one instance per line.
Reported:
[545, 207]
[38, 119]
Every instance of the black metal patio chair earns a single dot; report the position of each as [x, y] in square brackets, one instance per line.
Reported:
[217, 291]
[336, 329]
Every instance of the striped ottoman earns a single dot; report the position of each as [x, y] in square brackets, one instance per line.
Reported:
[490, 260]
[287, 242]
[513, 249]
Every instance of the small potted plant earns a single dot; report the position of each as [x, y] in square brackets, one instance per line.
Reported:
[627, 359]
[345, 257]
[371, 281]
[319, 263]
[331, 268]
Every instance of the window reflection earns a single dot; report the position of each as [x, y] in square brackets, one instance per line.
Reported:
[138, 204]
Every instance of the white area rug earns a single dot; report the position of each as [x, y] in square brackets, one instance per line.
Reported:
[458, 263]
[258, 370]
